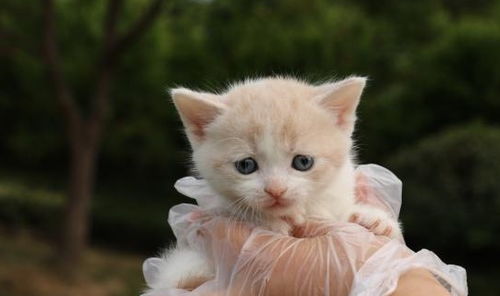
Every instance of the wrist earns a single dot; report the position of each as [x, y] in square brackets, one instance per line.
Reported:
[419, 282]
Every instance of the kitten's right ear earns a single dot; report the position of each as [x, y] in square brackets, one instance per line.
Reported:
[342, 98]
[197, 110]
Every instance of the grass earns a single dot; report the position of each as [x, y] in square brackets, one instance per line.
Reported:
[27, 269]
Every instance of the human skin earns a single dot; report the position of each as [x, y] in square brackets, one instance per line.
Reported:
[352, 244]
[415, 282]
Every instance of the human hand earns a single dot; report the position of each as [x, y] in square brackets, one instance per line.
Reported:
[272, 264]
[321, 259]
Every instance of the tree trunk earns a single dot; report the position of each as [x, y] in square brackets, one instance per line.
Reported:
[84, 139]
[84, 132]
[83, 155]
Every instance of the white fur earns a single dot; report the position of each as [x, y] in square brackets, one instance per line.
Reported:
[178, 265]
[272, 120]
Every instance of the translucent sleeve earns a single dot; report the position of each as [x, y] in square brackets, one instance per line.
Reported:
[320, 259]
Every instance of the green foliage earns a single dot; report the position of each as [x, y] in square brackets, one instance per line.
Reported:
[118, 220]
[451, 199]
[433, 65]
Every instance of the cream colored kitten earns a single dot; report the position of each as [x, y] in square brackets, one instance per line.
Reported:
[279, 147]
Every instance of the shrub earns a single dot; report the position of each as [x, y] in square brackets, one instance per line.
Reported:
[451, 190]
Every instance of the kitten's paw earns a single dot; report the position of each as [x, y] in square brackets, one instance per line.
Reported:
[295, 220]
[299, 220]
[377, 222]
[280, 226]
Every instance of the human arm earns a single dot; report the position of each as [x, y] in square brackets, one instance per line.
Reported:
[327, 259]
[419, 282]
[294, 272]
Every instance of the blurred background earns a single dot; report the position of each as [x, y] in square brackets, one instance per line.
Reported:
[90, 145]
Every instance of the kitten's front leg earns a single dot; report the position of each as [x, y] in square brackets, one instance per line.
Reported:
[375, 220]
[298, 217]
[285, 224]
[280, 226]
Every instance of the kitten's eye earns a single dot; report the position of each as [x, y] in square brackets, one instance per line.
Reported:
[246, 166]
[302, 162]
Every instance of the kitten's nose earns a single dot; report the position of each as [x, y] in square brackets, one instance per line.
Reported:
[275, 191]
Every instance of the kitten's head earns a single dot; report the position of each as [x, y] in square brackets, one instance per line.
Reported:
[272, 144]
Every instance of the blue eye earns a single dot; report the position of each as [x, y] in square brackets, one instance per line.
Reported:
[302, 162]
[246, 166]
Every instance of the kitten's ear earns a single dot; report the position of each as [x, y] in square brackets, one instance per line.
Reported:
[342, 98]
[197, 110]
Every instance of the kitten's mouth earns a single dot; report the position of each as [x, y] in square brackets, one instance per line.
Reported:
[278, 204]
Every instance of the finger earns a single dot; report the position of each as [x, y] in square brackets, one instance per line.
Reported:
[311, 228]
[198, 216]
[228, 232]
[354, 218]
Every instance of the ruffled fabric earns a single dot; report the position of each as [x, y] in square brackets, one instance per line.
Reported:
[378, 275]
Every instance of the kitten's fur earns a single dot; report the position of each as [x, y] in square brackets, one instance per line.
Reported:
[272, 120]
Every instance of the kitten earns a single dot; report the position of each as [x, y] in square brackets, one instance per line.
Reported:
[282, 148]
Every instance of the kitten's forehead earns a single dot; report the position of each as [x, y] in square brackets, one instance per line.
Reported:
[274, 116]
[268, 90]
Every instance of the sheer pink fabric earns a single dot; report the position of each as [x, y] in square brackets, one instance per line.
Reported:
[320, 259]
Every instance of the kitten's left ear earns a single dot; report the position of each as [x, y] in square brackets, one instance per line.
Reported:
[197, 110]
[342, 98]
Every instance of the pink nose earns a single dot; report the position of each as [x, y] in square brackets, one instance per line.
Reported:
[275, 192]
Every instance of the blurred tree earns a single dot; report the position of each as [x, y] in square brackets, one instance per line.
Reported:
[432, 65]
[84, 131]
[450, 185]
